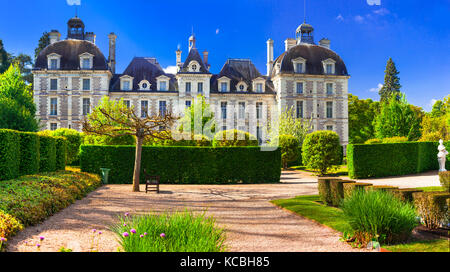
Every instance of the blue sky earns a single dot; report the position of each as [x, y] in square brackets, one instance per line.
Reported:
[416, 34]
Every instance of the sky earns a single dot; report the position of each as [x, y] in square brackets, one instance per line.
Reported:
[365, 33]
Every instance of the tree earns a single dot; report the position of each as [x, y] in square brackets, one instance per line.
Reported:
[25, 64]
[436, 124]
[198, 120]
[288, 124]
[321, 150]
[4, 58]
[17, 108]
[44, 41]
[361, 114]
[391, 82]
[396, 118]
[289, 149]
[115, 119]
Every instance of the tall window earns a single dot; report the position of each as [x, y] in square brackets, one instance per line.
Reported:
[200, 88]
[53, 126]
[86, 63]
[223, 107]
[162, 108]
[259, 106]
[259, 88]
[54, 106]
[329, 109]
[241, 110]
[163, 86]
[299, 87]
[299, 68]
[299, 109]
[53, 64]
[86, 84]
[86, 106]
[126, 85]
[329, 69]
[329, 88]
[188, 87]
[144, 109]
[188, 103]
[223, 87]
[53, 84]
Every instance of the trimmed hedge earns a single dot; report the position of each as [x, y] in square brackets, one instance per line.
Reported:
[337, 190]
[444, 178]
[406, 195]
[185, 165]
[383, 188]
[61, 153]
[29, 153]
[9, 154]
[349, 188]
[432, 207]
[47, 154]
[382, 160]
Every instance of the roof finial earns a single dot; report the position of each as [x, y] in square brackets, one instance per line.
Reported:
[304, 10]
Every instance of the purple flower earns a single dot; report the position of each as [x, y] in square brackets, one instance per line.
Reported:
[124, 224]
[38, 245]
[126, 214]
[100, 232]
[163, 235]
[142, 236]
[145, 233]
[42, 238]
[3, 239]
[125, 234]
[94, 230]
[133, 231]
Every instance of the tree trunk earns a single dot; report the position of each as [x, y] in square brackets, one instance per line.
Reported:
[137, 164]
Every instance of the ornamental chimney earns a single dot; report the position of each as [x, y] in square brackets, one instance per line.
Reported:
[269, 56]
[54, 36]
[112, 52]
[289, 43]
[325, 43]
[205, 59]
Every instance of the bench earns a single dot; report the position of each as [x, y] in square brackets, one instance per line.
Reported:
[151, 183]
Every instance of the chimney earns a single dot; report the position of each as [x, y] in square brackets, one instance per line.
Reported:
[269, 56]
[54, 36]
[178, 52]
[289, 43]
[325, 43]
[205, 59]
[90, 36]
[112, 52]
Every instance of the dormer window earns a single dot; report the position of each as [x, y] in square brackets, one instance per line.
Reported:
[242, 87]
[86, 63]
[53, 64]
[126, 83]
[224, 84]
[194, 66]
[54, 61]
[86, 60]
[163, 86]
[329, 66]
[162, 83]
[299, 65]
[223, 87]
[144, 85]
[259, 85]
[259, 88]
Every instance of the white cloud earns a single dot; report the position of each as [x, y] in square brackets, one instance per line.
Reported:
[73, 2]
[374, 2]
[217, 31]
[170, 70]
[377, 89]
[359, 19]
[381, 11]
[340, 17]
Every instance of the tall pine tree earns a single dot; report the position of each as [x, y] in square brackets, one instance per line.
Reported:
[391, 82]
[4, 59]
[44, 41]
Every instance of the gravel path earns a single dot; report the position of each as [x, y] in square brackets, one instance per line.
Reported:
[251, 221]
[426, 179]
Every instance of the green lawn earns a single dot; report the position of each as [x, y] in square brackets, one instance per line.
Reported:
[308, 206]
[431, 189]
[340, 170]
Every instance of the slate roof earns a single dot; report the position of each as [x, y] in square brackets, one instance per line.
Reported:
[314, 55]
[143, 69]
[70, 51]
[194, 55]
[238, 70]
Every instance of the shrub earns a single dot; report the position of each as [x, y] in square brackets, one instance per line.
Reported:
[405, 195]
[108, 140]
[394, 140]
[61, 153]
[9, 226]
[325, 190]
[47, 150]
[186, 165]
[337, 190]
[431, 137]
[289, 149]
[9, 154]
[175, 232]
[379, 215]
[382, 160]
[349, 188]
[373, 141]
[432, 207]
[321, 150]
[29, 153]
[74, 140]
[444, 178]
[234, 137]
[383, 188]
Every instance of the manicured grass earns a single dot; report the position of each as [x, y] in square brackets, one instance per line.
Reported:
[169, 232]
[431, 189]
[308, 206]
[340, 170]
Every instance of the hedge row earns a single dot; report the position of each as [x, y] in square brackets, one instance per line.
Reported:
[382, 160]
[185, 165]
[25, 153]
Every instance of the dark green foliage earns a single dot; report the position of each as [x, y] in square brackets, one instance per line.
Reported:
[9, 154]
[350, 188]
[432, 207]
[186, 165]
[61, 153]
[44, 41]
[444, 178]
[379, 215]
[47, 154]
[391, 84]
[361, 113]
[321, 150]
[74, 140]
[108, 140]
[382, 160]
[29, 153]
[405, 195]
[234, 137]
[289, 149]
[337, 190]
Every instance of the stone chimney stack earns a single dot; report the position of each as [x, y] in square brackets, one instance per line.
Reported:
[325, 43]
[112, 52]
[54, 36]
[178, 52]
[289, 43]
[205, 59]
[90, 36]
[269, 56]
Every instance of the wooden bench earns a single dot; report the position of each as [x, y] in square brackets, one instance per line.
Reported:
[151, 183]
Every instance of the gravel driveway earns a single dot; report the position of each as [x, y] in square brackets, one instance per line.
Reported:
[251, 221]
